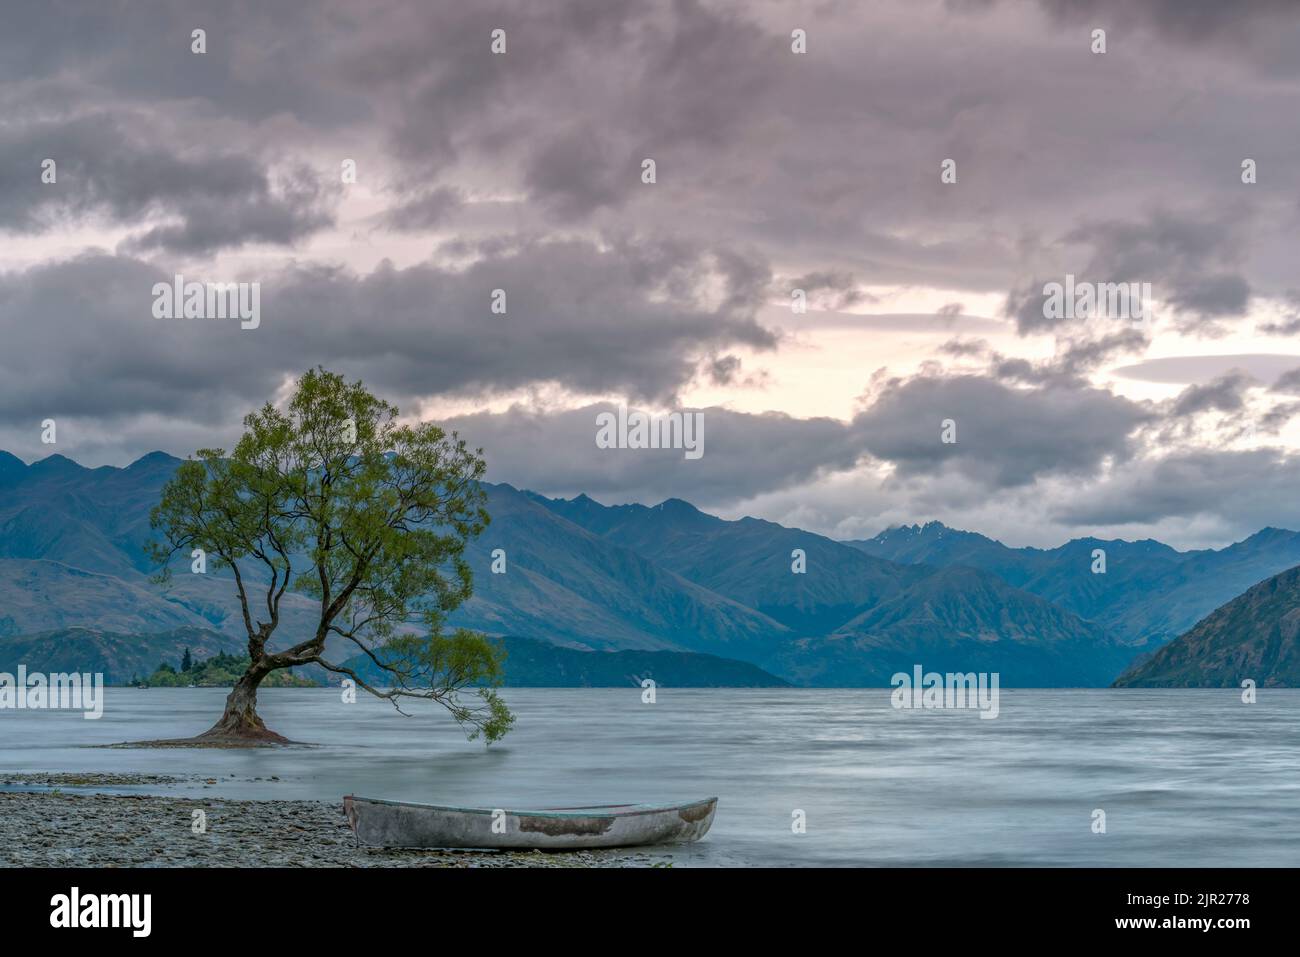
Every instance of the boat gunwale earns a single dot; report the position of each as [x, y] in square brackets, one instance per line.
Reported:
[634, 810]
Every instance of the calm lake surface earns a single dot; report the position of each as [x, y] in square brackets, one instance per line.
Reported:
[1185, 777]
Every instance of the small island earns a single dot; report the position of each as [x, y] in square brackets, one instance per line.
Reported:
[220, 671]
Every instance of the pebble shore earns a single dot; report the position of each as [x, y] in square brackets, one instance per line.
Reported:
[58, 827]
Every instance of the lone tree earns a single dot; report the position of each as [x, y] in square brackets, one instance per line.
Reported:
[332, 498]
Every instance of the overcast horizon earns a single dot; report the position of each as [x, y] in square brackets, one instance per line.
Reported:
[379, 169]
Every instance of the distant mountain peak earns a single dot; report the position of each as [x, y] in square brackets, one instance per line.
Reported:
[11, 466]
[154, 459]
[1269, 533]
[676, 505]
[55, 464]
[930, 530]
[685, 514]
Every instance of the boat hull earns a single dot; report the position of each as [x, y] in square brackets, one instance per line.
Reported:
[381, 823]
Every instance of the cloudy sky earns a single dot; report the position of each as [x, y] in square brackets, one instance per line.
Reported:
[774, 171]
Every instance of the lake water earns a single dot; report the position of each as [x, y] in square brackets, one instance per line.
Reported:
[1184, 777]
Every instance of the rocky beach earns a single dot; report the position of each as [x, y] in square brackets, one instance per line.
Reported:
[72, 821]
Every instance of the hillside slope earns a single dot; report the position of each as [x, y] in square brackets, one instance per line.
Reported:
[962, 619]
[1255, 636]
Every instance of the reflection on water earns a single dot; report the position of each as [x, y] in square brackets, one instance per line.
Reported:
[1185, 777]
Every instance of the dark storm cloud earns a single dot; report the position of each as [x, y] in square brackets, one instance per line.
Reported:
[1249, 489]
[596, 321]
[437, 105]
[591, 320]
[576, 173]
[1027, 306]
[1278, 417]
[284, 214]
[724, 369]
[748, 278]
[1225, 394]
[828, 289]
[1288, 382]
[743, 454]
[753, 140]
[1075, 358]
[115, 168]
[1196, 21]
[583, 94]
[1177, 254]
[966, 348]
[1231, 407]
[262, 59]
[1211, 296]
[1089, 354]
[1006, 438]
[754, 143]
[80, 340]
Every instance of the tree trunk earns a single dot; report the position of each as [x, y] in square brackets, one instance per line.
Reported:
[241, 724]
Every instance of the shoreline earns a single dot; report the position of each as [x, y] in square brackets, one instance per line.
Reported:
[44, 825]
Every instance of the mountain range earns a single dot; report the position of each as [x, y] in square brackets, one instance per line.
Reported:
[584, 576]
[1149, 594]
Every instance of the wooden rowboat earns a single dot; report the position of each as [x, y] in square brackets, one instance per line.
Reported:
[401, 824]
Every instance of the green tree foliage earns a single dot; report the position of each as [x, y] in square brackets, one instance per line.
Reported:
[333, 498]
